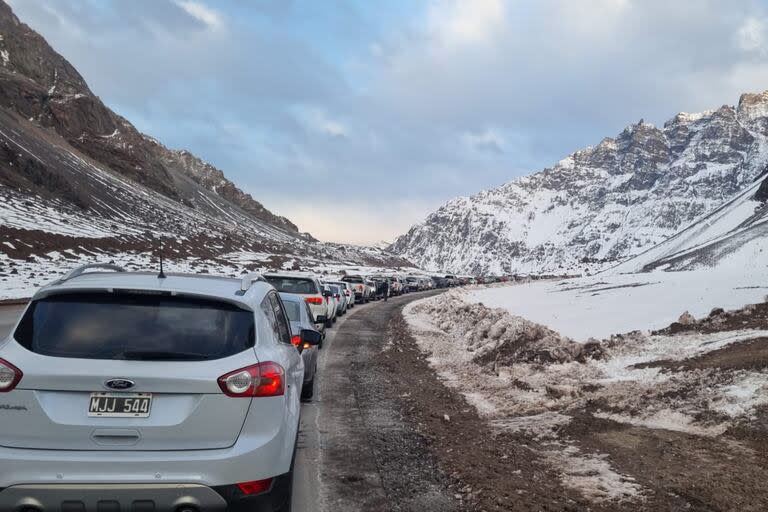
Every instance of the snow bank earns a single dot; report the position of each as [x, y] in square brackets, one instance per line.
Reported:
[602, 305]
[524, 377]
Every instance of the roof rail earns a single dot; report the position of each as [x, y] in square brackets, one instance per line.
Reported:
[81, 270]
[249, 279]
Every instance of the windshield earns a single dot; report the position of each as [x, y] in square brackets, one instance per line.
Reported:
[133, 326]
[298, 285]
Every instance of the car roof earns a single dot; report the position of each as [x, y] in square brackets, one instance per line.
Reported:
[299, 275]
[217, 287]
[291, 297]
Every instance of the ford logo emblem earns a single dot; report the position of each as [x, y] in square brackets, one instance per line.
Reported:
[119, 384]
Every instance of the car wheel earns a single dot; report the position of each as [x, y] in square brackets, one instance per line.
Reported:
[308, 391]
[329, 323]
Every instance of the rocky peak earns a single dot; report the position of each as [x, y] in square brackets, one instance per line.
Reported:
[753, 111]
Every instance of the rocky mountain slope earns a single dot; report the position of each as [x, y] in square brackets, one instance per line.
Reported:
[602, 204]
[78, 180]
[735, 234]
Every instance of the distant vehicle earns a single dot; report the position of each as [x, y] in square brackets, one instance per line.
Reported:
[310, 288]
[301, 318]
[360, 288]
[333, 303]
[451, 280]
[348, 290]
[414, 284]
[396, 286]
[341, 299]
[380, 284]
[372, 289]
[192, 376]
[440, 282]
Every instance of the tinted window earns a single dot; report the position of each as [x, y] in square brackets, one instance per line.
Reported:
[283, 327]
[352, 279]
[310, 315]
[292, 310]
[292, 284]
[135, 327]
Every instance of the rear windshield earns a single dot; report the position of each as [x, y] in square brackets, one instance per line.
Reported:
[352, 279]
[292, 284]
[135, 327]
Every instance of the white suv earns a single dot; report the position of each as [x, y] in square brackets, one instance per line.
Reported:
[317, 295]
[133, 391]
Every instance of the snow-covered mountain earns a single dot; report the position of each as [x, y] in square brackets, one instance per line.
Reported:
[80, 182]
[735, 234]
[602, 204]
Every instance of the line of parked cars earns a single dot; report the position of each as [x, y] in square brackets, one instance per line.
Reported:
[143, 391]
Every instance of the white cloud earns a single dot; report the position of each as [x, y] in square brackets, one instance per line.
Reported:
[202, 13]
[465, 22]
[753, 35]
[319, 121]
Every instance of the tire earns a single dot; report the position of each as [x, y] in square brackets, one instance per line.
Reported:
[308, 390]
[328, 324]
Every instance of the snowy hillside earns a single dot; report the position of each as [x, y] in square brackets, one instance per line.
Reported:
[79, 183]
[734, 235]
[603, 204]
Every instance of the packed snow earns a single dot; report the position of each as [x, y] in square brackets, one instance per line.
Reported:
[606, 304]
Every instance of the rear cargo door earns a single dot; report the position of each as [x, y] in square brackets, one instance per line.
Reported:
[126, 372]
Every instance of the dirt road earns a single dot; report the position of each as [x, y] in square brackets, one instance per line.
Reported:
[357, 449]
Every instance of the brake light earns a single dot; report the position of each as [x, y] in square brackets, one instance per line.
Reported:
[255, 487]
[337, 296]
[296, 340]
[314, 300]
[346, 293]
[9, 376]
[263, 379]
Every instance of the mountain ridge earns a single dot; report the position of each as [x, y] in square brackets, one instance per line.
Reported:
[602, 204]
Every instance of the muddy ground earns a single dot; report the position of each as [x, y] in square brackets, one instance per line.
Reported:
[445, 443]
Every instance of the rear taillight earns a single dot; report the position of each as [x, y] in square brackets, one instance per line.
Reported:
[314, 300]
[255, 487]
[9, 376]
[296, 341]
[337, 296]
[263, 379]
[346, 293]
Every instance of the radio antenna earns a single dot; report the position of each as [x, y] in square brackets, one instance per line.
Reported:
[161, 275]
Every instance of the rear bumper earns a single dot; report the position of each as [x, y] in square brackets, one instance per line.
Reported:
[96, 498]
[142, 497]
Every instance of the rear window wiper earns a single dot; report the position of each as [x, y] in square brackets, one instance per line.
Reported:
[149, 355]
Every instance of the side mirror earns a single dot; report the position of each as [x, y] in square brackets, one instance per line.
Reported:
[311, 337]
[327, 293]
[321, 319]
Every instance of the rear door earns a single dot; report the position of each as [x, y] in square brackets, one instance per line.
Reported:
[161, 355]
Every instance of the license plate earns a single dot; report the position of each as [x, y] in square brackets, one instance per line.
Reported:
[120, 405]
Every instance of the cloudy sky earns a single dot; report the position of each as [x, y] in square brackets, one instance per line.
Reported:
[357, 118]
